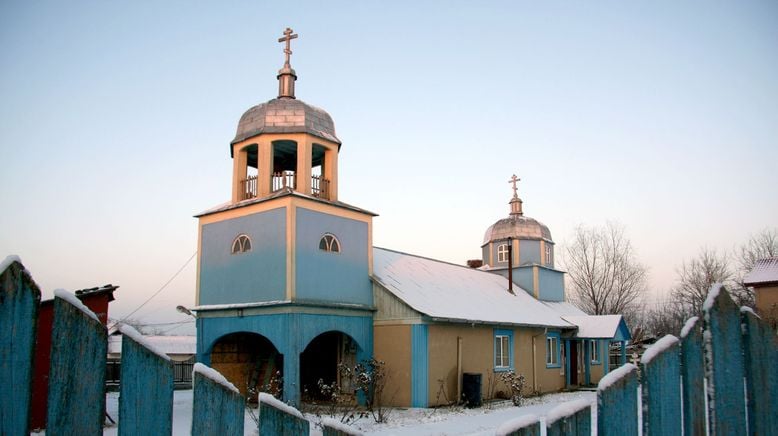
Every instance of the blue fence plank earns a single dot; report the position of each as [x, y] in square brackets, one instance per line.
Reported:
[218, 407]
[527, 425]
[617, 402]
[331, 427]
[570, 418]
[276, 417]
[722, 340]
[661, 380]
[19, 300]
[77, 372]
[693, 378]
[146, 388]
[761, 365]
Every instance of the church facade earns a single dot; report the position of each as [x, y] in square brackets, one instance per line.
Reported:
[289, 283]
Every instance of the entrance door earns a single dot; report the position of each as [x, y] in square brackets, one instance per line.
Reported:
[573, 363]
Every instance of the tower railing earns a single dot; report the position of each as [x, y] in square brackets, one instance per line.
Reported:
[320, 187]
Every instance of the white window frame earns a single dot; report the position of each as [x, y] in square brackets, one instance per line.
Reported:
[502, 253]
[503, 350]
[594, 351]
[331, 243]
[241, 244]
[548, 254]
[552, 351]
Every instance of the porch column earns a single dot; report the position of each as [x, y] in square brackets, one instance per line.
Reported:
[607, 362]
[567, 362]
[292, 377]
[587, 362]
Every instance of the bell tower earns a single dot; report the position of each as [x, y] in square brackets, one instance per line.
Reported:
[284, 262]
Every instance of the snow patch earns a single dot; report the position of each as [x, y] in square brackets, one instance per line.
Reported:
[137, 337]
[614, 376]
[278, 404]
[687, 328]
[566, 409]
[72, 299]
[8, 261]
[516, 424]
[214, 376]
[712, 295]
[746, 309]
[659, 346]
[339, 426]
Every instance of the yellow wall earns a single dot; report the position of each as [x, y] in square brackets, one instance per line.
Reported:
[392, 344]
[767, 303]
[477, 357]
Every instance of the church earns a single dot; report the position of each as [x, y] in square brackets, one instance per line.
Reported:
[289, 282]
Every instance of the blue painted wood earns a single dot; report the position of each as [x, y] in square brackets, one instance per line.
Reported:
[661, 379]
[216, 409]
[724, 364]
[273, 421]
[419, 365]
[587, 362]
[617, 406]
[579, 423]
[623, 352]
[146, 391]
[607, 350]
[19, 300]
[567, 362]
[528, 430]
[761, 365]
[77, 372]
[692, 377]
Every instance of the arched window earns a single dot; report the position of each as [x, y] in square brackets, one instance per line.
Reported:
[241, 244]
[330, 243]
[502, 253]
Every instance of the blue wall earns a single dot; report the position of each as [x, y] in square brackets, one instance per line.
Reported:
[551, 285]
[521, 277]
[256, 275]
[529, 251]
[290, 334]
[325, 276]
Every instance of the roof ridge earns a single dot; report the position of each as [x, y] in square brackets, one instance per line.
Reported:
[431, 259]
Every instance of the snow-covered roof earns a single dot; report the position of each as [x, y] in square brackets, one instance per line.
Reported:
[166, 344]
[765, 271]
[598, 326]
[564, 308]
[448, 292]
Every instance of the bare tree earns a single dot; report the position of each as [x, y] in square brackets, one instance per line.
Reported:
[604, 273]
[696, 276]
[762, 245]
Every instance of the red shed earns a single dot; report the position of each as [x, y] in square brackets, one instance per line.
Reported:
[96, 299]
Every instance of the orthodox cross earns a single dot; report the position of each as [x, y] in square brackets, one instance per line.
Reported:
[288, 37]
[513, 180]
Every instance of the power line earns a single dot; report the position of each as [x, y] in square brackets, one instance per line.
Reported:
[162, 288]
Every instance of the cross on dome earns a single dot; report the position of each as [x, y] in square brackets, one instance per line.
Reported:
[289, 35]
[513, 180]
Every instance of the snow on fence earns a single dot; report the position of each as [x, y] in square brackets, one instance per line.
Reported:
[720, 378]
[76, 394]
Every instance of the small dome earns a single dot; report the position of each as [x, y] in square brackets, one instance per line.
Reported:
[286, 115]
[517, 227]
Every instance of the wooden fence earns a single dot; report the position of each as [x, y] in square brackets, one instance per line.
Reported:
[719, 378]
[78, 372]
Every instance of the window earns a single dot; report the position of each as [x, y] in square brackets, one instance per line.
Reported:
[503, 350]
[329, 243]
[502, 253]
[594, 351]
[548, 254]
[552, 350]
[241, 244]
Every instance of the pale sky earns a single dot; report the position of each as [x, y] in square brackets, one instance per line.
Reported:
[116, 118]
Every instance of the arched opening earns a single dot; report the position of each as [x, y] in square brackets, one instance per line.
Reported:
[248, 179]
[284, 164]
[249, 361]
[321, 361]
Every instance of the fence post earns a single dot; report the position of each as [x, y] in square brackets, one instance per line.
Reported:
[761, 366]
[218, 407]
[145, 389]
[79, 345]
[661, 376]
[527, 425]
[617, 402]
[571, 418]
[693, 378]
[722, 340]
[276, 417]
[19, 300]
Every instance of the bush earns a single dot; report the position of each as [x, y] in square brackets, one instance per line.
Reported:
[515, 384]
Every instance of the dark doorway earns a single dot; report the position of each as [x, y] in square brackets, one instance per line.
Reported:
[320, 361]
[573, 363]
[250, 362]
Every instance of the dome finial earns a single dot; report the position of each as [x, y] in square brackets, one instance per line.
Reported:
[515, 201]
[286, 75]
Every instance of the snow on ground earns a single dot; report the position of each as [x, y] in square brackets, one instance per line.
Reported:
[440, 421]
